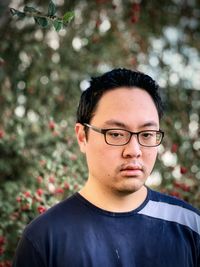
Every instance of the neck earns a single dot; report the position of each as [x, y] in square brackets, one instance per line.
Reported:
[113, 201]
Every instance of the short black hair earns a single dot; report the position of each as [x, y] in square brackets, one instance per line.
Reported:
[113, 79]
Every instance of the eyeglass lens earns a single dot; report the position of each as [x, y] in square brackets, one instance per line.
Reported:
[121, 137]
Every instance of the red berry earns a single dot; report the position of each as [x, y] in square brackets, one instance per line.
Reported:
[185, 187]
[2, 240]
[59, 190]
[175, 194]
[25, 207]
[134, 19]
[51, 125]
[66, 186]
[2, 250]
[183, 170]
[136, 7]
[27, 194]
[98, 23]
[133, 61]
[76, 187]
[41, 209]
[176, 184]
[40, 191]
[18, 199]
[55, 133]
[2, 133]
[39, 179]
[174, 148]
[31, 90]
[52, 179]
[7, 264]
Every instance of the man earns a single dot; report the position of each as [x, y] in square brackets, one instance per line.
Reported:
[115, 220]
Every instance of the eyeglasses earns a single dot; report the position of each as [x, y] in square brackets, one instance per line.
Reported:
[120, 137]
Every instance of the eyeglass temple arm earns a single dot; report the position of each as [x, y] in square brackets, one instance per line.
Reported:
[94, 128]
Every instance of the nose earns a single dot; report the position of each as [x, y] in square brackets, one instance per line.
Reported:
[132, 149]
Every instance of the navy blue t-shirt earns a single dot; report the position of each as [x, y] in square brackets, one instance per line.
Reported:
[162, 232]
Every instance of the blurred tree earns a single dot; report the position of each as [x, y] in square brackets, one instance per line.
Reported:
[42, 73]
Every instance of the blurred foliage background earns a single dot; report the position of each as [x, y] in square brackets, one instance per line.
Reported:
[42, 74]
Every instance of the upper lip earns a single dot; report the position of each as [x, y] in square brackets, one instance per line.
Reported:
[131, 166]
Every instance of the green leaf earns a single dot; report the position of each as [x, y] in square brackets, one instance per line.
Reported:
[58, 24]
[43, 22]
[20, 14]
[51, 9]
[68, 16]
[31, 9]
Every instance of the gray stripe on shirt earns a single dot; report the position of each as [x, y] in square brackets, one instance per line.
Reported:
[172, 213]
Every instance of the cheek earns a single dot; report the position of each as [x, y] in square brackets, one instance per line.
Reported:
[101, 157]
[95, 156]
[150, 156]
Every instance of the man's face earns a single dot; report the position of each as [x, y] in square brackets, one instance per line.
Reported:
[120, 169]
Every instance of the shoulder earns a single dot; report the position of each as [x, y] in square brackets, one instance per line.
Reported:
[171, 200]
[48, 232]
[54, 217]
[172, 209]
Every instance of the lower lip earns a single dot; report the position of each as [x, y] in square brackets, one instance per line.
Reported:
[129, 173]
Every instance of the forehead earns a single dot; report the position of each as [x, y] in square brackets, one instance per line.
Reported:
[128, 105]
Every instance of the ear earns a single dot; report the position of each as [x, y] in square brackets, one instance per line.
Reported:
[81, 137]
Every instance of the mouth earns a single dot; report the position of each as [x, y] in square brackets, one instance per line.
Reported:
[131, 169]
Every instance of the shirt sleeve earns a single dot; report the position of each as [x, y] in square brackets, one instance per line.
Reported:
[27, 255]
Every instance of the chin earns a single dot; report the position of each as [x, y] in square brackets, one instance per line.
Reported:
[128, 190]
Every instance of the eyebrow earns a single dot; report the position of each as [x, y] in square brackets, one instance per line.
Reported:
[115, 123]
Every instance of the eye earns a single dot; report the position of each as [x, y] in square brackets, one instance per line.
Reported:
[147, 135]
[115, 134]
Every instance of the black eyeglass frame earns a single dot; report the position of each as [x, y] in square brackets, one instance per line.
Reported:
[103, 131]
